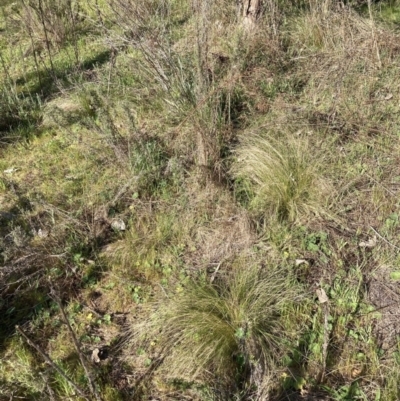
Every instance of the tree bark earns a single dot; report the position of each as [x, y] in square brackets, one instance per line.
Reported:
[251, 10]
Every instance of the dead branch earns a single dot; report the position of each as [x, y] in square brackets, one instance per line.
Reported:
[78, 350]
[50, 361]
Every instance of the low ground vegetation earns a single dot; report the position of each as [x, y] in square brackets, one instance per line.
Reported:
[195, 208]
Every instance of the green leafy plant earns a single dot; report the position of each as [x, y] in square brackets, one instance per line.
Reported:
[317, 242]
[348, 392]
[392, 221]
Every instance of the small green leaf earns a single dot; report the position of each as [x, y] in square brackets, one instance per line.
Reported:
[395, 275]
[300, 383]
[239, 333]
[315, 348]
[312, 247]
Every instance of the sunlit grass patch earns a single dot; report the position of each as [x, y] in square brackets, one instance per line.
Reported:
[207, 144]
[18, 369]
[282, 175]
[151, 247]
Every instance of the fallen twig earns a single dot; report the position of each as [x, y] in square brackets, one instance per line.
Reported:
[384, 239]
[50, 361]
[49, 389]
[215, 273]
[79, 351]
[324, 301]
[377, 182]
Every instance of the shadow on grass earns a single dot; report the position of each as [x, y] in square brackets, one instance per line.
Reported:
[20, 114]
[49, 82]
[28, 278]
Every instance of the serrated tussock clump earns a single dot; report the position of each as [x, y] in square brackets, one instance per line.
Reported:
[226, 330]
[282, 175]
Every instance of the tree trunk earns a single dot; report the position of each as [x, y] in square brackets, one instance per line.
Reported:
[251, 10]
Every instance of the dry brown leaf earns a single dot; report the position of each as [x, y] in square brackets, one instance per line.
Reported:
[371, 243]
[95, 355]
[322, 297]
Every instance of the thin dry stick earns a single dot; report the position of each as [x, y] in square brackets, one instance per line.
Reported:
[99, 13]
[50, 361]
[196, 108]
[47, 40]
[324, 301]
[374, 34]
[377, 182]
[30, 33]
[325, 308]
[202, 28]
[78, 350]
[49, 389]
[215, 273]
[73, 27]
[384, 239]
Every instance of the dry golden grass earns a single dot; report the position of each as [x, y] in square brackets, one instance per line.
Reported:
[283, 176]
[229, 331]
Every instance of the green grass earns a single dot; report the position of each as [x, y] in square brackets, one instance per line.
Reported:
[20, 369]
[249, 168]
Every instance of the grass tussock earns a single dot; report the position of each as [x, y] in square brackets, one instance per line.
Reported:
[231, 330]
[19, 114]
[282, 176]
[50, 24]
[20, 370]
[330, 28]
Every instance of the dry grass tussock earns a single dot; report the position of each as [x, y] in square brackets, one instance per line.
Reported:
[222, 240]
[229, 331]
[346, 107]
[350, 99]
[282, 175]
[334, 29]
[216, 228]
[49, 24]
[340, 40]
[343, 55]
